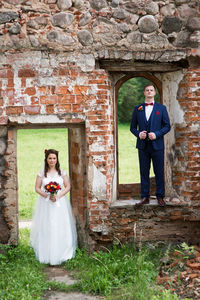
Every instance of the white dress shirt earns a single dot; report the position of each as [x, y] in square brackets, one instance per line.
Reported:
[148, 111]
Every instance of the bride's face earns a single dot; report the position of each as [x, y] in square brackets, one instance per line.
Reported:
[52, 160]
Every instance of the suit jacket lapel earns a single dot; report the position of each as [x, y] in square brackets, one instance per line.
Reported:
[153, 114]
[144, 114]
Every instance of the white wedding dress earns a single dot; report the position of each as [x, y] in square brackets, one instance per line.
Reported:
[53, 233]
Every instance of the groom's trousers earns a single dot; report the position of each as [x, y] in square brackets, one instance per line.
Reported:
[147, 155]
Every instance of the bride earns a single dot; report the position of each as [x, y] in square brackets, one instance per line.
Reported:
[53, 233]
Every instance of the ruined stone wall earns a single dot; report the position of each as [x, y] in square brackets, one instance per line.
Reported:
[107, 29]
[59, 60]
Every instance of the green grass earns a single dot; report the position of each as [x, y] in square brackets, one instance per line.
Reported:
[127, 155]
[121, 273]
[31, 144]
[21, 276]
[129, 171]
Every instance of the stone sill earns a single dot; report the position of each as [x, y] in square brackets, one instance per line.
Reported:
[170, 202]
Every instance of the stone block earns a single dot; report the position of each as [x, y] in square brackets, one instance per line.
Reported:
[8, 16]
[171, 24]
[62, 19]
[147, 24]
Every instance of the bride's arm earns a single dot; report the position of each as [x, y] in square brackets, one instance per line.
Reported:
[38, 185]
[66, 185]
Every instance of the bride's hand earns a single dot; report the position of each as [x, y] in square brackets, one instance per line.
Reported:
[52, 198]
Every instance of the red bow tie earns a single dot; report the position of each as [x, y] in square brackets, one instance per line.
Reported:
[146, 104]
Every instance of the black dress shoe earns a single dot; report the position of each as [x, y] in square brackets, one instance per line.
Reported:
[144, 200]
[161, 201]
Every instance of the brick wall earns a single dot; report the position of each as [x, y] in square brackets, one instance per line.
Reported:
[186, 175]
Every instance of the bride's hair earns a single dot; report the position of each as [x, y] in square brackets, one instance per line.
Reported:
[46, 166]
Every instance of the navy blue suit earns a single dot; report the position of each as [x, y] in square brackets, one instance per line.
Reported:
[158, 123]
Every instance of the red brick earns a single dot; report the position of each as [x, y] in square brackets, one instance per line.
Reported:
[30, 91]
[63, 90]
[26, 73]
[10, 82]
[10, 73]
[42, 89]
[73, 73]
[52, 99]
[63, 72]
[77, 108]
[80, 89]
[66, 99]
[104, 87]
[32, 110]
[64, 108]
[50, 109]
[14, 110]
[6, 73]
[96, 81]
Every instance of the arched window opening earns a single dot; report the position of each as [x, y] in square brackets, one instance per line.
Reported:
[130, 92]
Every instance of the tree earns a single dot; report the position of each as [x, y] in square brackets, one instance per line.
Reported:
[131, 93]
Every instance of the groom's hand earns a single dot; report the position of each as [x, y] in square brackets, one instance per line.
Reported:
[143, 135]
[151, 136]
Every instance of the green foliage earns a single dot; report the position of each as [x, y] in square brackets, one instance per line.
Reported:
[131, 93]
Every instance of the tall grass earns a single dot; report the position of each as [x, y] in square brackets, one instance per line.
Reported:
[123, 273]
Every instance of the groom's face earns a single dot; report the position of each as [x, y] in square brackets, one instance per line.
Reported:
[149, 91]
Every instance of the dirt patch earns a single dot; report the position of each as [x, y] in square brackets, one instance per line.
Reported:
[61, 275]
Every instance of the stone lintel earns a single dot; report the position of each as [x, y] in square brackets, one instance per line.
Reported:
[134, 66]
[45, 119]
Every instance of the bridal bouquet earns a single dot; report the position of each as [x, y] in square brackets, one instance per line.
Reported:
[52, 187]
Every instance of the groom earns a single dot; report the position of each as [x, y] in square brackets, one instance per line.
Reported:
[150, 122]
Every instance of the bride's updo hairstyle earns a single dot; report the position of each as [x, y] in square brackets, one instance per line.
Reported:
[46, 166]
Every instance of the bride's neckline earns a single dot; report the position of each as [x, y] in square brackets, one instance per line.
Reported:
[52, 175]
